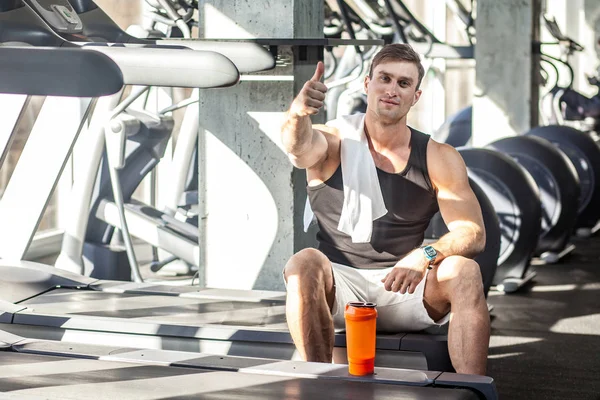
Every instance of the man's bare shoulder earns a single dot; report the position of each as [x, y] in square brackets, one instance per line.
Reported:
[332, 135]
[441, 153]
[444, 163]
[327, 129]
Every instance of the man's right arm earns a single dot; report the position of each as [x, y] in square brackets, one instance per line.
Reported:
[305, 146]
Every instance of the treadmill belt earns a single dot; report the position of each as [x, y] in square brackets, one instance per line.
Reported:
[164, 309]
[46, 371]
[72, 378]
[248, 326]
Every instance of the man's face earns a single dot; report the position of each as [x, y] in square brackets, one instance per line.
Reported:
[393, 90]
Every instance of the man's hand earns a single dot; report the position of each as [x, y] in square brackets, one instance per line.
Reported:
[310, 99]
[407, 273]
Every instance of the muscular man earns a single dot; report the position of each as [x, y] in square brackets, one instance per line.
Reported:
[417, 176]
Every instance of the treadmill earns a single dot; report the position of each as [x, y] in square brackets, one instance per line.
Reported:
[48, 303]
[47, 369]
[90, 238]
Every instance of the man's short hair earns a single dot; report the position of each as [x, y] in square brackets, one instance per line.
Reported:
[398, 52]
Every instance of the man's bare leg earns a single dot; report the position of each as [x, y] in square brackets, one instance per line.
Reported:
[456, 285]
[310, 296]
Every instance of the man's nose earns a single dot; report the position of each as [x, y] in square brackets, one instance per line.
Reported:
[392, 89]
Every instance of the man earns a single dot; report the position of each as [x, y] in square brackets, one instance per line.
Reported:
[414, 287]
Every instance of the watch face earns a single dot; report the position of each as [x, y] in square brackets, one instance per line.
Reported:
[430, 252]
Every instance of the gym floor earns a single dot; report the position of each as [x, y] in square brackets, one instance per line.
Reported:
[546, 339]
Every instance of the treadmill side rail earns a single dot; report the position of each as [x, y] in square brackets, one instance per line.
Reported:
[482, 384]
[21, 280]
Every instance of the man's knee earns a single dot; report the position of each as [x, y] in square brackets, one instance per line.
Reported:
[461, 276]
[308, 264]
[309, 271]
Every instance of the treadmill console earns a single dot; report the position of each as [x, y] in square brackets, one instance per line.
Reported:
[58, 14]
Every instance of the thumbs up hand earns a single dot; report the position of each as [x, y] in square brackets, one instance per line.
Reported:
[310, 99]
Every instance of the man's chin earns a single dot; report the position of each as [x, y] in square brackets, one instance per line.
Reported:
[389, 113]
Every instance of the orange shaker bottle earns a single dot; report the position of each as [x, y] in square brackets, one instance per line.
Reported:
[361, 319]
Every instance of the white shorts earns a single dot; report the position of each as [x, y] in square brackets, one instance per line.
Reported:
[395, 312]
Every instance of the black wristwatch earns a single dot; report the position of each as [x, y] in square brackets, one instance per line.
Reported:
[430, 254]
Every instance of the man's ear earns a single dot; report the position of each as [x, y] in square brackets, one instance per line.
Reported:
[417, 96]
[366, 84]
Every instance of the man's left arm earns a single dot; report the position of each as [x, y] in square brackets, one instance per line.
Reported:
[461, 212]
[458, 205]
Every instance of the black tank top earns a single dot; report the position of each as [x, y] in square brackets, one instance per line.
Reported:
[409, 198]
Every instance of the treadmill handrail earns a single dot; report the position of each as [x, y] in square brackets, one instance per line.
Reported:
[58, 72]
[98, 26]
[170, 67]
[247, 57]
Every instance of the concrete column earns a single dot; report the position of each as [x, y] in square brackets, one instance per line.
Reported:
[250, 195]
[123, 12]
[506, 92]
[261, 19]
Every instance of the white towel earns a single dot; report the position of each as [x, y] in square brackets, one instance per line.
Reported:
[363, 201]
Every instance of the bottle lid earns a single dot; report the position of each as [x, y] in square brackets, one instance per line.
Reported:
[361, 304]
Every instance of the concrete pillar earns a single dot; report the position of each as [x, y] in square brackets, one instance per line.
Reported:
[123, 12]
[250, 195]
[506, 92]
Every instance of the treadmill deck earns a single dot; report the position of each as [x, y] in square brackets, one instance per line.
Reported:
[49, 369]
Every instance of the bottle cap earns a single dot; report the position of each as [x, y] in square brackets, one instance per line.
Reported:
[361, 304]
